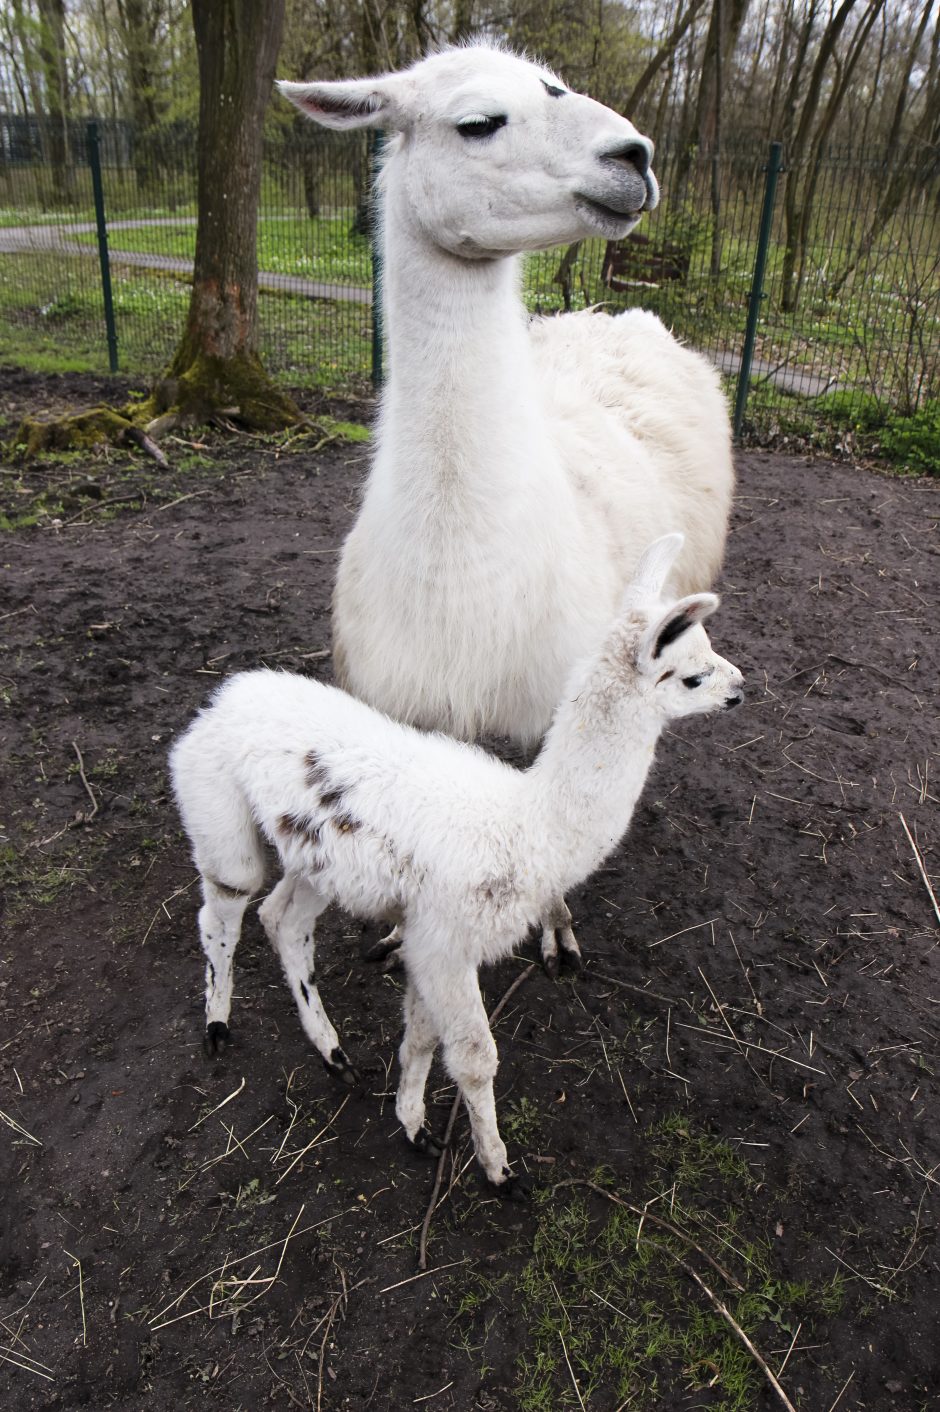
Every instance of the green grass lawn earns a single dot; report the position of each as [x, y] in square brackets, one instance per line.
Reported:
[52, 320]
[319, 249]
[880, 338]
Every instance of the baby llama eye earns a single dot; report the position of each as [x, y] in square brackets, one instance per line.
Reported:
[691, 682]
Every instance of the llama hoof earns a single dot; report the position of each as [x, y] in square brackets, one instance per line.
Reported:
[385, 946]
[572, 962]
[512, 1188]
[339, 1066]
[215, 1039]
[551, 965]
[424, 1143]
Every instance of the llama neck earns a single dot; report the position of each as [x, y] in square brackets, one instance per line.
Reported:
[590, 773]
[461, 408]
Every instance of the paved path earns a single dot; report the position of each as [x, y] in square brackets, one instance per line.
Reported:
[54, 239]
[799, 382]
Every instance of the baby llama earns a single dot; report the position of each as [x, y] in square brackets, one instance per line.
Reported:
[462, 851]
[520, 466]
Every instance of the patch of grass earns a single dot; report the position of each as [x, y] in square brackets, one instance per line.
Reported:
[101, 483]
[858, 410]
[613, 1317]
[29, 882]
[914, 442]
[52, 320]
[521, 1122]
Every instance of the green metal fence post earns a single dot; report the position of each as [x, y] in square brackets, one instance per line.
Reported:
[376, 144]
[773, 169]
[94, 161]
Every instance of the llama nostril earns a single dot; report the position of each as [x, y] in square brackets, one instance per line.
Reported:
[732, 701]
[638, 154]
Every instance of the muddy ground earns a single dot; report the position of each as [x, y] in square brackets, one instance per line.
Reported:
[750, 1054]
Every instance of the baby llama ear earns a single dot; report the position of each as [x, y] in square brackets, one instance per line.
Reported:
[348, 103]
[674, 621]
[655, 564]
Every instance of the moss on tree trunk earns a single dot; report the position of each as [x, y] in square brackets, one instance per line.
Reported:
[207, 385]
[70, 433]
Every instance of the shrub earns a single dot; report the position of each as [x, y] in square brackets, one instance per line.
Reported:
[914, 441]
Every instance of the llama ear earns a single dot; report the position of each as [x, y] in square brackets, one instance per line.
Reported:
[674, 621]
[347, 103]
[655, 564]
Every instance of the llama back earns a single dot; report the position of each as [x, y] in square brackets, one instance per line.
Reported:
[342, 793]
[623, 392]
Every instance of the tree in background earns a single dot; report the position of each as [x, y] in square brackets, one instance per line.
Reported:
[692, 73]
[812, 129]
[216, 367]
[217, 364]
[657, 60]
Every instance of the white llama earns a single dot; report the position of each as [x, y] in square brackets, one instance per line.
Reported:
[520, 467]
[458, 848]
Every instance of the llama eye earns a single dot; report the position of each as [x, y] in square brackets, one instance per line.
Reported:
[479, 126]
[691, 682]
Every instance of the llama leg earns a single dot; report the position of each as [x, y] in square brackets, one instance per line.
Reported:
[558, 940]
[386, 949]
[289, 916]
[220, 924]
[456, 1009]
[415, 1055]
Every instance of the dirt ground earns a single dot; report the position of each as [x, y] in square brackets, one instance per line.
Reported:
[750, 1054]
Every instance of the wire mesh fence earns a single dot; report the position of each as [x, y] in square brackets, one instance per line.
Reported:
[849, 323]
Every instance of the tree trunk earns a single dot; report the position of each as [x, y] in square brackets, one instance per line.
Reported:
[724, 29]
[217, 365]
[798, 200]
[916, 160]
[140, 24]
[52, 59]
[664, 54]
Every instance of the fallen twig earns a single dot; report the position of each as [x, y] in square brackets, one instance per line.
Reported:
[28, 1365]
[87, 818]
[18, 1128]
[313, 1141]
[220, 1306]
[81, 1293]
[234, 1094]
[645, 1214]
[141, 439]
[732, 1322]
[920, 865]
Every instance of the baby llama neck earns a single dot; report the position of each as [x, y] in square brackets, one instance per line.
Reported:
[591, 771]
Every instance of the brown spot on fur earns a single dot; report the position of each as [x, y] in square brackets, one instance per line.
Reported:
[345, 823]
[316, 770]
[665, 676]
[295, 825]
[318, 779]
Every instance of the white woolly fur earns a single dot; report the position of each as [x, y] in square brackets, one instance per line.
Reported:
[460, 850]
[520, 466]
